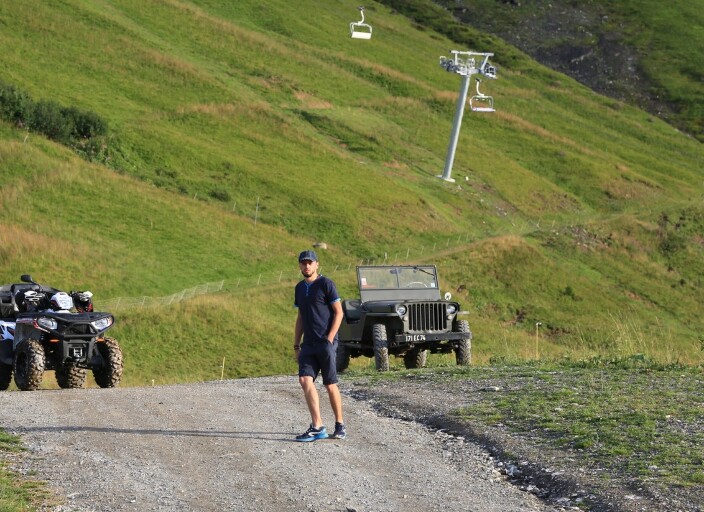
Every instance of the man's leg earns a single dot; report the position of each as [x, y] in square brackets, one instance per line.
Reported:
[312, 400]
[335, 401]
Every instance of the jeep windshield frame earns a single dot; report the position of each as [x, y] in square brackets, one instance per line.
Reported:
[398, 283]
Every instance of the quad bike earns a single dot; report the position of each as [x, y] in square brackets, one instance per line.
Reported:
[7, 334]
[39, 332]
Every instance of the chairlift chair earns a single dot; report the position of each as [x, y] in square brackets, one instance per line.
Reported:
[481, 102]
[361, 30]
[490, 71]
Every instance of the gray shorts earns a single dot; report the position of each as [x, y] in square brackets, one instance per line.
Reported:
[318, 357]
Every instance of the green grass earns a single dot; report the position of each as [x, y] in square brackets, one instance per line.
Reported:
[223, 115]
[18, 494]
[625, 416]
[609, 422]
[661, 41]
[241, 135]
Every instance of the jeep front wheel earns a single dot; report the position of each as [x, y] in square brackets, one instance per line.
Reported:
[29, 365]
[415, 358]
[463, 350]
[109, 373]
[70, 377]
[342, 358]
[381, 347]
[5, 376]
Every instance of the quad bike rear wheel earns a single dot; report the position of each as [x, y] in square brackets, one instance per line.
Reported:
[70, 377]
[5, 376]
[29, 365]
[108, 375]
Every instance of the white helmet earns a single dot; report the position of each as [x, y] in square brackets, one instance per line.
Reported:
[61, 301]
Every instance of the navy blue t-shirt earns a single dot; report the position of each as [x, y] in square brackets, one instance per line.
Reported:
[314, 302]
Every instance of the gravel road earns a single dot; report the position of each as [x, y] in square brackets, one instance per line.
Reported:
[228, 445]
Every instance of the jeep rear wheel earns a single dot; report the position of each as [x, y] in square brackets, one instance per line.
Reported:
[381, 347]
[342, 358]
[415, 358]
[5, 376]
[108, 375]
[463, 350]
[70, 377]
[29, 365]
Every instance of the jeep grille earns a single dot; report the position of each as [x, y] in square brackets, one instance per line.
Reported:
[429, 316]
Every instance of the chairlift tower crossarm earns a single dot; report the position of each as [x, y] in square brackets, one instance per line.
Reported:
[464, 64]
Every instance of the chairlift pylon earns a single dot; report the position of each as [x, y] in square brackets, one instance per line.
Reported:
[361, 30]
[481, 98]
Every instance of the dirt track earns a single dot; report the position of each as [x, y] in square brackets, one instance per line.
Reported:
[228, 446]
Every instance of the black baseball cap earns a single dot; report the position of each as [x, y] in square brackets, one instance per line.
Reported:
[307, 255]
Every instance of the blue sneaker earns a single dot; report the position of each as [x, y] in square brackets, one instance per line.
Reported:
[312, 434]
[340, 432]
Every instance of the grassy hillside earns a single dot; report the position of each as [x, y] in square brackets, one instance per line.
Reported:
[239, 135]
[643, 52]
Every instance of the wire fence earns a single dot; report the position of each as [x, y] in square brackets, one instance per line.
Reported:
[341, 273]
[509, 225]
[422, 254]
[145, 301]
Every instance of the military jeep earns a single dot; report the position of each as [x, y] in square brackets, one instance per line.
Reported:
[400, 312]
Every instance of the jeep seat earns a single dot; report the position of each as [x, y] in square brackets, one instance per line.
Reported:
[352, 310]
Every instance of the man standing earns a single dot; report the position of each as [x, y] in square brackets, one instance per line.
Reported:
[319, 318]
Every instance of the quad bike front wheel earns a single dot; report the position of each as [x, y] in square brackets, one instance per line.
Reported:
[109, 373]
[70, 376]
[29, 365]
[5, 376]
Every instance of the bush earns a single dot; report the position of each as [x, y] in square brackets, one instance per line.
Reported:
[83, 130]
[15, 105]
[220, 195]
[48, 118]
[85, 124]
[94, 149]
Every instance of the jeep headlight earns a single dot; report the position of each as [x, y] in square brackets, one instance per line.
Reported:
[47, 323]
[451, 309]
[102, 324]
[401, 310]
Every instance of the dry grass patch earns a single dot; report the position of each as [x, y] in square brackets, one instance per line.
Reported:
[309, 101]
[527, 126]
[20, 244]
